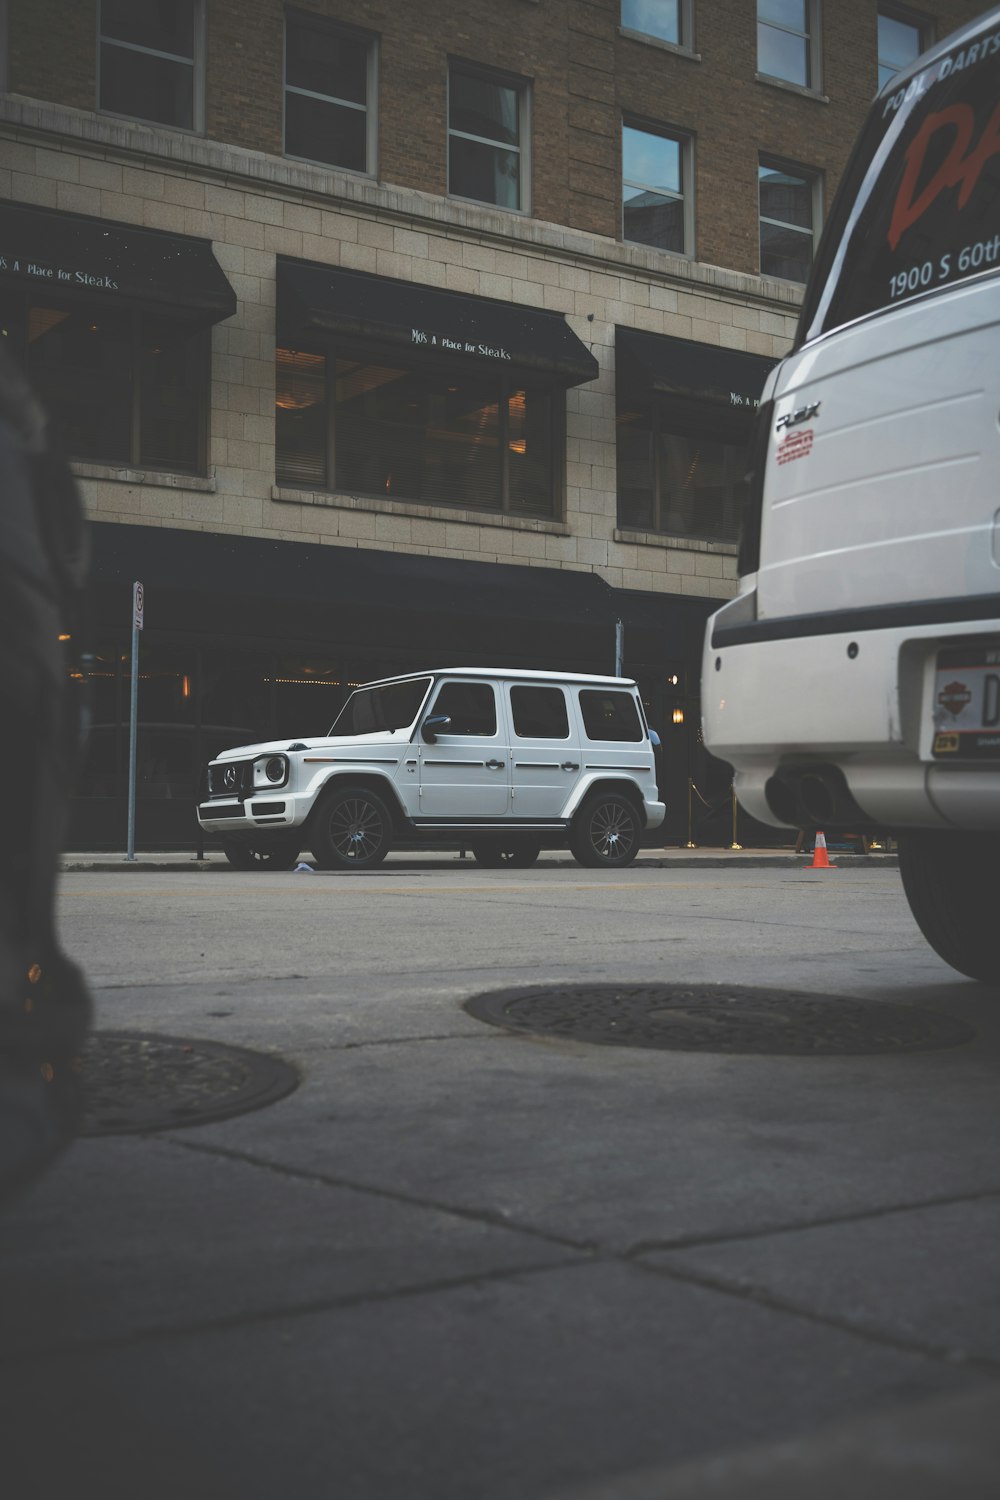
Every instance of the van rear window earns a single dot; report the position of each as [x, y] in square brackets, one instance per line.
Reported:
[919, 207]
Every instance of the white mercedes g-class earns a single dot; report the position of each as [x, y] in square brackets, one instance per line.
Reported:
[505, 762]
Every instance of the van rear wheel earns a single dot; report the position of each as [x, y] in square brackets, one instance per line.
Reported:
[950, 880]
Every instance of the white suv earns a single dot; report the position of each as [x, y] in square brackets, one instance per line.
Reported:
[502, 761]
[855, 681]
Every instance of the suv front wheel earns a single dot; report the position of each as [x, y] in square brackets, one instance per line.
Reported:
[606, 831]
[352, 829]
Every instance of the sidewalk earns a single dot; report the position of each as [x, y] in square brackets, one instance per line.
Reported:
[418, 859]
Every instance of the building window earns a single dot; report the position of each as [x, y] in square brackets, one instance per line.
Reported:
[788, 41]
[666, 20]
[789, 212]
[330, 73]
[151, 60]
[123, 387]
[680, 466]
[351, 421]
[656, 198]
[902, 36]
[487, 137]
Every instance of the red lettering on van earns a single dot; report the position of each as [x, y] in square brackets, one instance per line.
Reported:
[960, 167]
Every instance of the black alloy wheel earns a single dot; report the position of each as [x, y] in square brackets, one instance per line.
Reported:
[494, 853]
[277, 853]
[352, 830]
[605, 832]
[950, 880]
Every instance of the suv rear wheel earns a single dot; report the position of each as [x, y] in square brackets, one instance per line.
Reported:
[351, 830]
[277, 853]
[951, 884]
[509, 851]
[606, 831]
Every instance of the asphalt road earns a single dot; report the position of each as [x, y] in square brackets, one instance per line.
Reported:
[457, 1262]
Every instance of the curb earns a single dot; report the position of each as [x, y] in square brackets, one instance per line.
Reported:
[73, 864]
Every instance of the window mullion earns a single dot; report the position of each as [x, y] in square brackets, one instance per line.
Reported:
[654, 430]
[504, 426]
[136, 425]
[293, 88]
[329, 390]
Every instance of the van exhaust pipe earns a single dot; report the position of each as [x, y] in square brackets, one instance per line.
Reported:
[814, 797]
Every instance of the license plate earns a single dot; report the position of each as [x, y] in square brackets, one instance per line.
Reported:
[967, 703]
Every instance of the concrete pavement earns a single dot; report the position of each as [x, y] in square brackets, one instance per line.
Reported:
[461, 1263]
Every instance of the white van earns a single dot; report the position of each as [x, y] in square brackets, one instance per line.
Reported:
[855, 680]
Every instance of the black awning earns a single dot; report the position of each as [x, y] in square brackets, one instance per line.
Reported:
[681, 367]
[253, 586]
[70, 254]
[321, 299]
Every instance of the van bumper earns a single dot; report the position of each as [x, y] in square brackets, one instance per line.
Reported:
[852, 706]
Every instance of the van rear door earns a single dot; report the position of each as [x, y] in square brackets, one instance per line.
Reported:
[881, 476]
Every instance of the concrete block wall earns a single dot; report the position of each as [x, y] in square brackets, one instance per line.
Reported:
[250, 223]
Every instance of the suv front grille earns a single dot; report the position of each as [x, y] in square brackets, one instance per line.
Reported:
[230, 778]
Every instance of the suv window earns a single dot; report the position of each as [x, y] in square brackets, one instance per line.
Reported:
[539, 713]
[373, 709]
[919, 207]
[471, 707]
[610, 715]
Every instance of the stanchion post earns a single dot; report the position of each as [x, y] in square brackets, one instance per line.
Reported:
[690, 843]
[734, 844]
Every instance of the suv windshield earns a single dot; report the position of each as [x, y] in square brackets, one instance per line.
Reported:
[919, 207]
[373, 709]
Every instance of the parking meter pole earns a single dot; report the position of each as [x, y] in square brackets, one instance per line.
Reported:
[133, 725]
[619, 647]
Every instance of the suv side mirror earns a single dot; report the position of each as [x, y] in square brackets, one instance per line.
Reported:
[654, 739]
[432, 726]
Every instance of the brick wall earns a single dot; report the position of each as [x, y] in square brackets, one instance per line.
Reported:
[584, 76]
[52, 50]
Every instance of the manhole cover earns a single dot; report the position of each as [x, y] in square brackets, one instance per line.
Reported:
[134, 1082]
[717, 1018]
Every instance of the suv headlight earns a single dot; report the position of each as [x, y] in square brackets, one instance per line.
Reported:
[270, 770]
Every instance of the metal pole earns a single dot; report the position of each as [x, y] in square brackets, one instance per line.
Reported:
[690, 843]
[734, 844]
[619, 647]
[133, 725]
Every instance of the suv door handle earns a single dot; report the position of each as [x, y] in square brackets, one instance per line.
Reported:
[495, 765]
[571, 765]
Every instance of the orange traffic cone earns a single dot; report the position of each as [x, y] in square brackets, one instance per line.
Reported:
[820, 858]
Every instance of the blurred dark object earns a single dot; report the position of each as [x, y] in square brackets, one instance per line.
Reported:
[44, 1004]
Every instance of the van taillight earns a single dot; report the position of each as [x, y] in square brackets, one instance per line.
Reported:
[753, 500]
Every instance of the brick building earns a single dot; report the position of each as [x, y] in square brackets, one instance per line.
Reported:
[384, 336]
